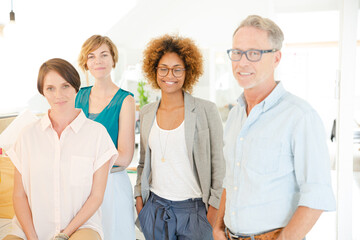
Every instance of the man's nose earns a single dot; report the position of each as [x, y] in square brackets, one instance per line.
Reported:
[243, 60]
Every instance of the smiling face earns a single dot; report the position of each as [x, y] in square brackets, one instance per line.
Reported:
[169, 83]
[58, 92]
[100, 62]
[251, 75]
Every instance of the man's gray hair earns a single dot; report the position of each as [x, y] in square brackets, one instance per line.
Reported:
[275, 35]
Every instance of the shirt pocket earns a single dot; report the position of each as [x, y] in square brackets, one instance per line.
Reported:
[81, 171]
[262, 155]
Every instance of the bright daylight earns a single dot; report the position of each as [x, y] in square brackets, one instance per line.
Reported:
[201, 120]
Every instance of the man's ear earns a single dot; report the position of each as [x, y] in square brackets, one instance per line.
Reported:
[277, 58]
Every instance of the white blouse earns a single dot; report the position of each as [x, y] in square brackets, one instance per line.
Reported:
[57, 174]
[173, 178]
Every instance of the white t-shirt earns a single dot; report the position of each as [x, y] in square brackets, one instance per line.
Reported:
[57, 174]
[174, 178]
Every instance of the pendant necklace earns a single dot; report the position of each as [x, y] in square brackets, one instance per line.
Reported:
[163, 152]
[167, 135]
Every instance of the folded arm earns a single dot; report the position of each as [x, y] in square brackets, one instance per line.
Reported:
[93, 202]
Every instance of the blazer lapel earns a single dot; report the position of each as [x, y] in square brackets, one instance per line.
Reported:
[148, 119]
[190, 122]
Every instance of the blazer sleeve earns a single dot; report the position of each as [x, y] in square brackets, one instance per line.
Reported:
[217, 156]
[140, 167]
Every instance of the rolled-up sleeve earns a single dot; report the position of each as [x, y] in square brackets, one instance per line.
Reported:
[105, 150]
[14, 153]
[312, 163]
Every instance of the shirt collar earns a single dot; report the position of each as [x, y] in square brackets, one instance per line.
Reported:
[241, 100]
[270, 100]
[45, 121]
[75, 125]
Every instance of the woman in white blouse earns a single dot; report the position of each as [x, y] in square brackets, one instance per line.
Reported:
[61, 165]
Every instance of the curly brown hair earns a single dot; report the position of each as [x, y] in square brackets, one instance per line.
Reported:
[187, 51]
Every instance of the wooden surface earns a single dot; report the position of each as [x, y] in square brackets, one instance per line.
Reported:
[6, 187]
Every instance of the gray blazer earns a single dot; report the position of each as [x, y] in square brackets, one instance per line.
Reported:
[204, 142]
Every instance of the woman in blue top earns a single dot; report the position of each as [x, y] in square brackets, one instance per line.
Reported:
[113, 107]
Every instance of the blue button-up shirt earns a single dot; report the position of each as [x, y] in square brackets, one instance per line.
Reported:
[276, 160]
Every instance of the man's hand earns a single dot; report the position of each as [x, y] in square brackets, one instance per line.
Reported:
[219, 234]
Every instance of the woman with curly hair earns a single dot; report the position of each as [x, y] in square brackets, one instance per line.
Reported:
[114, 108]
[181, 165]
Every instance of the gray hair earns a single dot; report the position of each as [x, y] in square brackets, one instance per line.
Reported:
[275, 35]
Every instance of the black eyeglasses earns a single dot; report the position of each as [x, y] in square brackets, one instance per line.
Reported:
[176, 71]
[253, 55]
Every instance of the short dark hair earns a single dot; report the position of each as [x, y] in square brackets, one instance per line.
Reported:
[63, 68]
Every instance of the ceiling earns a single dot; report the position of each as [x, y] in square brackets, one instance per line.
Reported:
[57, 28]
[209, 22]
[131, 23]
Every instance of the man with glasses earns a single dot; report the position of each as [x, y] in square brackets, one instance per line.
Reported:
[277, 180]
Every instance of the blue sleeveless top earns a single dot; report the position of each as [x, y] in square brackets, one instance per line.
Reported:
[109, 116]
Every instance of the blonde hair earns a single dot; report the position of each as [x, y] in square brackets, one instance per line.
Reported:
[275, 35]
[93, 43]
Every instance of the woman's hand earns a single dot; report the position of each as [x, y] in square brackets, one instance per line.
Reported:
[219, 228]
[61, 236]
[139, 204]
[211, 215]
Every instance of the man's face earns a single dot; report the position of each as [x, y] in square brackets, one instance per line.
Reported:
[254, 75]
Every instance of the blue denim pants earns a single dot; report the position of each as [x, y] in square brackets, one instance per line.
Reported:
[162, 219]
